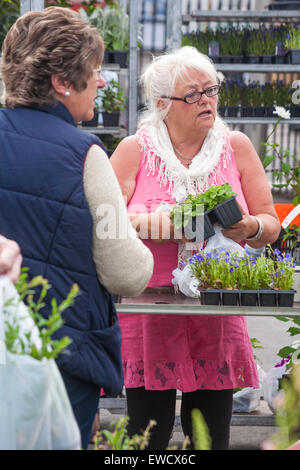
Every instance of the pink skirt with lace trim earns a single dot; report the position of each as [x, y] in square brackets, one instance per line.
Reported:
[187, 353]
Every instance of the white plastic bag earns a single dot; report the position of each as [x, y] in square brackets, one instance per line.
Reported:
[248, 399]
[218, 242]
[35, 412]
[184, 279]
[270, 389]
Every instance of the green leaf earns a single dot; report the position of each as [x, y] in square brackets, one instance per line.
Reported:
[268, 160]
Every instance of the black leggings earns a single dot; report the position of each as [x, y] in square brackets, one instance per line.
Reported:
[143, 405]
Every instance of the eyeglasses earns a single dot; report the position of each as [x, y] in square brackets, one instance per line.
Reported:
[196, 95]
[97, 72]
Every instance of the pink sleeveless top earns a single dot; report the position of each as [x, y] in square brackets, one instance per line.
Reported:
[187, 353]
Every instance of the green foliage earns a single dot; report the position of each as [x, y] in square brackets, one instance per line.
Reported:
[287, 413]
[113, 98]
[201, 438]
[292, 40]
[113, 26]
[192, 206]
[50, 348]
[288, 173]
[226, 270]
[287, 351]
[118, 438]
[9, 12]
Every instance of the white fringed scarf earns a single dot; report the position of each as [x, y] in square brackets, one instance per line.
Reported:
[203, 172]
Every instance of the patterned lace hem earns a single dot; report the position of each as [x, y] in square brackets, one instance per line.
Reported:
[200, 374]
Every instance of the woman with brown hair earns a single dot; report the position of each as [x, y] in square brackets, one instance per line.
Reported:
[60, 199]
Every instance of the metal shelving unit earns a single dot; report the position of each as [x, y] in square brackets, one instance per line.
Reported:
[264, 16]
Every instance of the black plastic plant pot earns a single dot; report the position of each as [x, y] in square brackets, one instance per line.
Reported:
[225, 59]
[92, 122]
[249, 298]
[253, 59]
[230, 297]
[267, 59]
[268, 298]
[279, 59]
[237, 59]
[232, 111]
[116, 57]
[269, 111]
[222, 110]
[259, 111]
[211, 297]
[199, 229]
[227, 213]
[285, 298]
[247, 111]
[111, 119]
[295, 110]
[293, 56]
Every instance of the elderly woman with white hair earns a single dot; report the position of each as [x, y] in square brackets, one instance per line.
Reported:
[182, 146]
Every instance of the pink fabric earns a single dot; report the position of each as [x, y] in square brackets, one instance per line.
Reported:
[186, 353]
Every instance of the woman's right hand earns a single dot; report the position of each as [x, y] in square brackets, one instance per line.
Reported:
[156, 226]
[10, 258]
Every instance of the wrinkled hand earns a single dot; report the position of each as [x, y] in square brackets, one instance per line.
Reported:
[10, 258]
[243, 229]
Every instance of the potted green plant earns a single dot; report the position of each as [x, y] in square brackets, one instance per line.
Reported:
[256, 99]
[9, 13]
[113, 25]
[292, 45]
[113, 101]
[197, 214]
[268, 98]
[247, 108]
[233, 91]
[236, 276]
[94, 121]
[253, 45]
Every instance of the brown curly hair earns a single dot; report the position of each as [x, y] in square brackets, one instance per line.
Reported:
[54, 41]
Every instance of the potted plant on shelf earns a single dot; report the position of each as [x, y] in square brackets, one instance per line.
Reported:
[256, 99]
[247, 107]
[286, 176]
[233, 91]
[197, 214]
[252, 45]
[94, 121]
[242, 279]
[292, 45]
[268, 98]
[113, 101]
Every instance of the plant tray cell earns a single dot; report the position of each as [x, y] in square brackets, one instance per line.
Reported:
[199, 229]
[92, 122]
[293, 56]
[211, 297]
[110, 119]
[249, 298]
[268, 298]
[285, 298]
[230, 297]
[227, 213]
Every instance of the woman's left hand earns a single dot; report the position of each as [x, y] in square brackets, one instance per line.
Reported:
[245, 228]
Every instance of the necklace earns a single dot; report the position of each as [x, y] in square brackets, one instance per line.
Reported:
[189, 160]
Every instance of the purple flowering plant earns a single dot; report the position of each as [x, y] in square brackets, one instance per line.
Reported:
[222, 269]
[284, 273]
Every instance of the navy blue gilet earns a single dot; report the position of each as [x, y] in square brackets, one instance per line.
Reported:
[43, 208]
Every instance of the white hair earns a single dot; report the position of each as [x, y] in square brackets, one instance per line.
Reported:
[161, 76]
